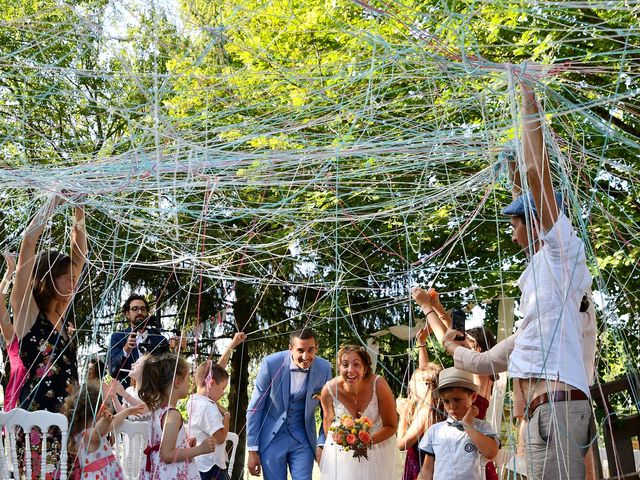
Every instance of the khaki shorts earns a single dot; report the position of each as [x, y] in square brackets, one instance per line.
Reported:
[557, 438]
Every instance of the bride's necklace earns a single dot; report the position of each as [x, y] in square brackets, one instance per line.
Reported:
[354, 397]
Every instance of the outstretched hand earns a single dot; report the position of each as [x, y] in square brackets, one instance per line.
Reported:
[117, 387]
[108, 389]
[435, 301]
[238, 338]
[104, 413]
[10, 260]
[423, 334]
[136, 410]
[421, 296]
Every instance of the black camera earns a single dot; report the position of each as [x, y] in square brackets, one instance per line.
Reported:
[155, 343]
[458, 318]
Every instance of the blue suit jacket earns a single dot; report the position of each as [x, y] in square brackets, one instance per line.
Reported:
[116, 359]
[269, 403]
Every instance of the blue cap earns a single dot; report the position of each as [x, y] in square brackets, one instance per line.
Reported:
[524, 204]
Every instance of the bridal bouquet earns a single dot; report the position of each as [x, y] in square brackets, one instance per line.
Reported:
[353, 434]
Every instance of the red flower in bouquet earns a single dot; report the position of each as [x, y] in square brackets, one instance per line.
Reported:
[352, 434]
[364, 437]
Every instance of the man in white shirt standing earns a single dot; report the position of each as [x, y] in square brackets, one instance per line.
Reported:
[547, 358]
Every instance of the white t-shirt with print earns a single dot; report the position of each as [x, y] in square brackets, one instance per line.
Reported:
[456, 456]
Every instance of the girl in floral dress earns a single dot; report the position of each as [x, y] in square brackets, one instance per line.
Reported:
[43, 289]
[89, 423]
[165, 380]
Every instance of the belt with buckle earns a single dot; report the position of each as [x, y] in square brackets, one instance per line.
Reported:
[556, 396]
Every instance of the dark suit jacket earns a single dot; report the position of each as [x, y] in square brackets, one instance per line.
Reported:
[116, 358]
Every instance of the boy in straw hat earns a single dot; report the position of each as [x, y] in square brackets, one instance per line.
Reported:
[455, 447]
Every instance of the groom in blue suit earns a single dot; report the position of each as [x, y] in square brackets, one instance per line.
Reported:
[281, 424]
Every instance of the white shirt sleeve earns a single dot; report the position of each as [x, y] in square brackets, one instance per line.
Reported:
[490, 362]
[211, 420]
[485, 428]
[562, 241]
[426, 442]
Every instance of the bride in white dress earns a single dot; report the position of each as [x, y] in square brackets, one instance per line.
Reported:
[359, 393]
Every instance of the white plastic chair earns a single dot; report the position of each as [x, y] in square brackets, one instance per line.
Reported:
[233, 438]
[42, 420]
[5, 451]
[131, 440]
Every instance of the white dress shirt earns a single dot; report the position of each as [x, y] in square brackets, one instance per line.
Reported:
[549, 341]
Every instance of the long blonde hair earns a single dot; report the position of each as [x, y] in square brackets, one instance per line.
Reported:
[429, 376]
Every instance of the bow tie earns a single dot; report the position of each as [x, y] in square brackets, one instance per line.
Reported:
[457, 424]
[301, 370]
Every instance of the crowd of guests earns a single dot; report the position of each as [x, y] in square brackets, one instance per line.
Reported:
[440, 425]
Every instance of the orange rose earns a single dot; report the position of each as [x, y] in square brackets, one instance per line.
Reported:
[364, 437]
[351, 439]
[347, 421]
[366, 420]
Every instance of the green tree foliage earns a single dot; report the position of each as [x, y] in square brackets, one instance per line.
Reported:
[345, 151]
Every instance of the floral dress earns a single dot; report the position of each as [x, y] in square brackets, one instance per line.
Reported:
[101, 464]
[155, 468]
[52, 370]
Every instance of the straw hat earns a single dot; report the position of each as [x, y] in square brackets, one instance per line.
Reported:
[453, 377]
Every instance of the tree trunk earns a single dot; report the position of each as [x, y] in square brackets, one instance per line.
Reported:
[239, 381]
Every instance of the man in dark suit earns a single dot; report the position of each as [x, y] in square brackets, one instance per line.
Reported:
[141, 336]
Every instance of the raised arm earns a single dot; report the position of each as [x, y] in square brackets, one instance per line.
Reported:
[421, 345]
[221, 434]
[122, 415]
[78, 244]
[410, 434]
[443, 315]
[516, 181]
[22, 301]
[5, 320]
[436, 320]
[536, 159]
[238, 338]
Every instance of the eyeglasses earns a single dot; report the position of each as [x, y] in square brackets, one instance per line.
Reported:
[138, 309]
